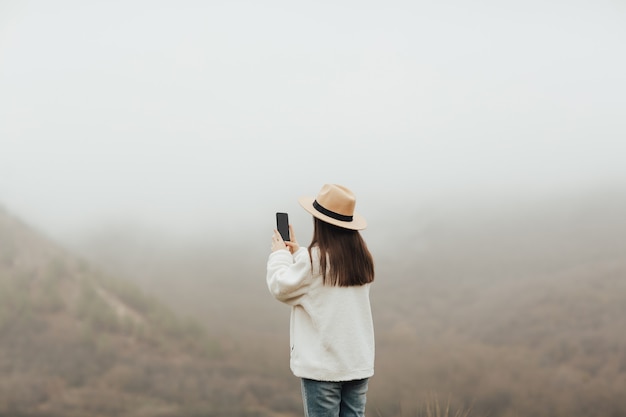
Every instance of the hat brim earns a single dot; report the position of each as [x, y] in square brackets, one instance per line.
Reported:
[358, 222]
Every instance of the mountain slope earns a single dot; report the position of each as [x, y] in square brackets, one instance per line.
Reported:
[75, 342]
[517, 313]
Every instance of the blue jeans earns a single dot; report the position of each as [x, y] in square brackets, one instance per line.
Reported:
[334, 399]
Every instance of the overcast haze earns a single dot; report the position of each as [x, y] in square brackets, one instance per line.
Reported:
[189, 113]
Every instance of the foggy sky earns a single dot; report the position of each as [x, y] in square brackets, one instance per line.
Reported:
[207, 112]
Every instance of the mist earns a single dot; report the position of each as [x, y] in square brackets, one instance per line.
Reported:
[211, 117]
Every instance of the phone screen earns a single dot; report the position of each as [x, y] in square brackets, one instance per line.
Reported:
[282, 224]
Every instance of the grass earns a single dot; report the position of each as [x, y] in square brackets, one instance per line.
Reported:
[433, 408]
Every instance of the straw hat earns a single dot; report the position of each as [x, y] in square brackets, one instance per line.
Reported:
[335, 205]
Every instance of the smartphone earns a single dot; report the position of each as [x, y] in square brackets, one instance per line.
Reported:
[282, 224]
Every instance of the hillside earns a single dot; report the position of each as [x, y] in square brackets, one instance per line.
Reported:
[517, 311]
[75, 341]
[512, 311]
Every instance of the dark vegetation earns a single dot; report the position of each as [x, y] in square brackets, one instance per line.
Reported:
[501, 311]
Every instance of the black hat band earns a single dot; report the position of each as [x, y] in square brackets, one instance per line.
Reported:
[330, 213]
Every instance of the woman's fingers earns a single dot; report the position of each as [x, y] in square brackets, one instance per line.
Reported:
[277, 241]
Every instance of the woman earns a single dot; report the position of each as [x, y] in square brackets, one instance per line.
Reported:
[327, 287]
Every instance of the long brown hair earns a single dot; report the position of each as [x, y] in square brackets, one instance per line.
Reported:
[344, 258]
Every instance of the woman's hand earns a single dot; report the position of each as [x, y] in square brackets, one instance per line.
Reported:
[293, 243]
[278, 243]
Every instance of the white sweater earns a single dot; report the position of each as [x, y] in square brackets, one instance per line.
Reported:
[331, 330]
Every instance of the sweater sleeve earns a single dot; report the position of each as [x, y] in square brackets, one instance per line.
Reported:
[289, 276]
